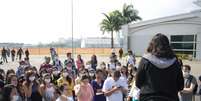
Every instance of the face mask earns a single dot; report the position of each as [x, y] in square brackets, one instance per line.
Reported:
[88, 66]
[43, 74]
[47, 80]
[32, 78]
[186, 74]
[65, 74]
[55, 72]
[91, 74]
[118, 68]
[15, 98]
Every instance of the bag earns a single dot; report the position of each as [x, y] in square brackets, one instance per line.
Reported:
[189, 81]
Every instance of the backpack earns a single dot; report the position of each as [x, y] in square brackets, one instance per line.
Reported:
[189, 81]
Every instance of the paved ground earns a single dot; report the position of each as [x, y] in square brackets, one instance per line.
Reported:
[36, 60]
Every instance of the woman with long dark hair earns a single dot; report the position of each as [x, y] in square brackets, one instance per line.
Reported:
[159, 76]
[94, 62]
[67, 80]
[10, 93]
[47, 88]
[32, 87]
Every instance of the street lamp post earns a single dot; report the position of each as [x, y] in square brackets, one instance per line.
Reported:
[72, 31]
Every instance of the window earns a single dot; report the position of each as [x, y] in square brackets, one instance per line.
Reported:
[180, 38]
[184, 44]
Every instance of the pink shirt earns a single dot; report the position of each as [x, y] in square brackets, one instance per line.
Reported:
[79, 63]
[86, 93]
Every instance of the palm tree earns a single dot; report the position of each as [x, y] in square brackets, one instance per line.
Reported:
[130, 14]
[112, 23]
[114, 20]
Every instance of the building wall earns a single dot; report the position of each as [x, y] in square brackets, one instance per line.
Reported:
[139, 38]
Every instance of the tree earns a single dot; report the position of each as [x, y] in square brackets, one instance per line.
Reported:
[129, 14]
[115, 19]
[112, 23]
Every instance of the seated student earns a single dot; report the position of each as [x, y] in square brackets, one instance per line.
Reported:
[190, 84]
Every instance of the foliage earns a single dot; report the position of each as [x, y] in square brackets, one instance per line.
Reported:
[115, 19]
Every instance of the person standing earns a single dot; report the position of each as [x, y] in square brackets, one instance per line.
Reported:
[69, 63]
[190, 85]
[13, 55]
[53, 53]
[57, 63]
[8, 52]
[46, 66]
[159, 76]
[114, 87]
[199, 90]
[94, 62]
[84, 90]
[121, 53]
[20, 53]
[79, 62]
[4, 55]
[130, 58]
[27, 53]
[97, 85]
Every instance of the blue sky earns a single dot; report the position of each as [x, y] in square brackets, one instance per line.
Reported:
[34, 21]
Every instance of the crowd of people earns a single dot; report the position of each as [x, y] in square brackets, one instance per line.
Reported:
[14, 54]
[160, 76]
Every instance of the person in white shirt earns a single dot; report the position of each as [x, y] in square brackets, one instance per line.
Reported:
[130, 58]
[114, 87]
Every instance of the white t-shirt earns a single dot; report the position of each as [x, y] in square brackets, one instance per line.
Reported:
[112, 66]
[109, 84]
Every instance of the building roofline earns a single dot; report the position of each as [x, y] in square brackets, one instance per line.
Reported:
[192, 14]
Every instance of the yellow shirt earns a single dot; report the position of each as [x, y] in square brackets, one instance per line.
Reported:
[70, 87]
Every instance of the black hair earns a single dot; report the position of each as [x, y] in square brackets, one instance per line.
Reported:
[199, 78]
[69, 79]
[2, 71]
[9, 72]
[116, 73]
[7, 91]
[188, 67]
[126, 70]
[160, 47]
[99, 71]
[10, 77]
[84, 77]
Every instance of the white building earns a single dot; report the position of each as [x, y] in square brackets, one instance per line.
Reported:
[99, 42]
[184, 32]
